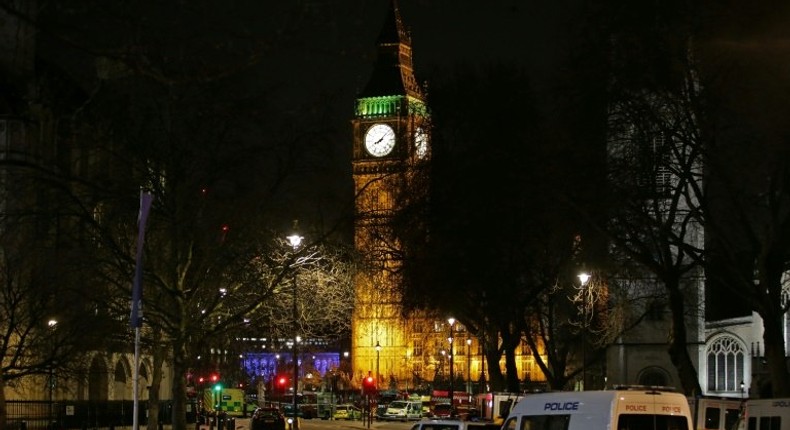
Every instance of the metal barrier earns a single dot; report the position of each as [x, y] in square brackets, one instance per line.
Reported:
[83, 415]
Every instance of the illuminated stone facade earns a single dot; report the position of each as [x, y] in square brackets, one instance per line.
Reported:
[392, 97]
[403, 353]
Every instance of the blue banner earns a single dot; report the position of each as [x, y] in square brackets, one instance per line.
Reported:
[136, 319]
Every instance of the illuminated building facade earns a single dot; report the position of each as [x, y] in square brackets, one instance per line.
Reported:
[391, 142]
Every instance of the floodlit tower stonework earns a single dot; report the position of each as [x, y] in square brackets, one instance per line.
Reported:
[391, 144]
[390, 138]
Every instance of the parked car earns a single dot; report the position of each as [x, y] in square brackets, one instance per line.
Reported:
[381, 409]
[436, 424]
[288, 411]
[347, 412]
[267, 419]
[467, 413]
[442, 410]
[302, 411]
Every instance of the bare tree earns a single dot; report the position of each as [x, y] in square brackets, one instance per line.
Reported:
[166, 102]
[488, 267]
[748, 219]
[656, 176]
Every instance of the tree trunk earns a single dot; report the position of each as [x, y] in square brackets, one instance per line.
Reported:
[3, 408]
[773, 336]
[678, 341]
[179, 418]
[511, 370]
[774, 354]
[158, 353]
[511, 338]
[770, 268]
[491, 350]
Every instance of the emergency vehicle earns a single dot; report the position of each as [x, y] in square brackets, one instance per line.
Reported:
[766, 414]
[710, 413]
[495, 407]
[642, 408]
[403, 410]
[228, 400]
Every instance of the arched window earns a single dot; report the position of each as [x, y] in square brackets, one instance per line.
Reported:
[120, 373]
[654, 376]
[725, 357]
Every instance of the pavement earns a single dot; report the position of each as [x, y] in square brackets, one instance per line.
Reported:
[241, 424]
[244, 424]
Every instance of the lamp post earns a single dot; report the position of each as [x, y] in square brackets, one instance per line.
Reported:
[275, 379]
[378, 351]
[584, 278]
[407, 365]
[295, 240]
[451, 321]
[469, 365]
[483, 379]
[51, 378]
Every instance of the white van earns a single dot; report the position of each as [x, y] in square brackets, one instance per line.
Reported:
[403, 410]
[431, 424]
[766, 414]
[635, 408]
[710, 413]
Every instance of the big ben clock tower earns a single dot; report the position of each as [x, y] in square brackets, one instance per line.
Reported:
[390, 139]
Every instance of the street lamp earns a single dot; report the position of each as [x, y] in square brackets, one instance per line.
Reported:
[483, 384]
[451, 321]
[378, 351]
[469, 365]
[295, 240]
[443, 353]
[51, 382]
[407, 365]
[584, 278]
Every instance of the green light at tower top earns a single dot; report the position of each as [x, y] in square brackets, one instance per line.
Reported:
[390, 106]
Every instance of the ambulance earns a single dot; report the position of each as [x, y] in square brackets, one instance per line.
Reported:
[632, 408]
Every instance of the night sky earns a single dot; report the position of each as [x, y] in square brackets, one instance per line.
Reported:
[335, 57]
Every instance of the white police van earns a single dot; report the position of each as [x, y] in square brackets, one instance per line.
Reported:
[711, 413]
[766, 414]
[634, 408]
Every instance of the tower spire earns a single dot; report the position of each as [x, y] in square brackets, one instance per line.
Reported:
[393, 73]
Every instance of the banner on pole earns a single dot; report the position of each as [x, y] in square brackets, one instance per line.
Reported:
[136, 319]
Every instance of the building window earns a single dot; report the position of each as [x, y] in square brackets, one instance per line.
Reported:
[654, 162]
[417, 325]
[725, 359]
[417, 348]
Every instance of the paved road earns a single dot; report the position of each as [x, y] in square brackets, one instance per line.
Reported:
[244, 424]
[340, 425]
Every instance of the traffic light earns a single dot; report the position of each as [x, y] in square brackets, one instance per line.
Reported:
[369, 385]
[282, 383]
[217, 385]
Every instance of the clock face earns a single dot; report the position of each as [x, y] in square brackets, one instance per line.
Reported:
[420, 142]
[379, 140]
